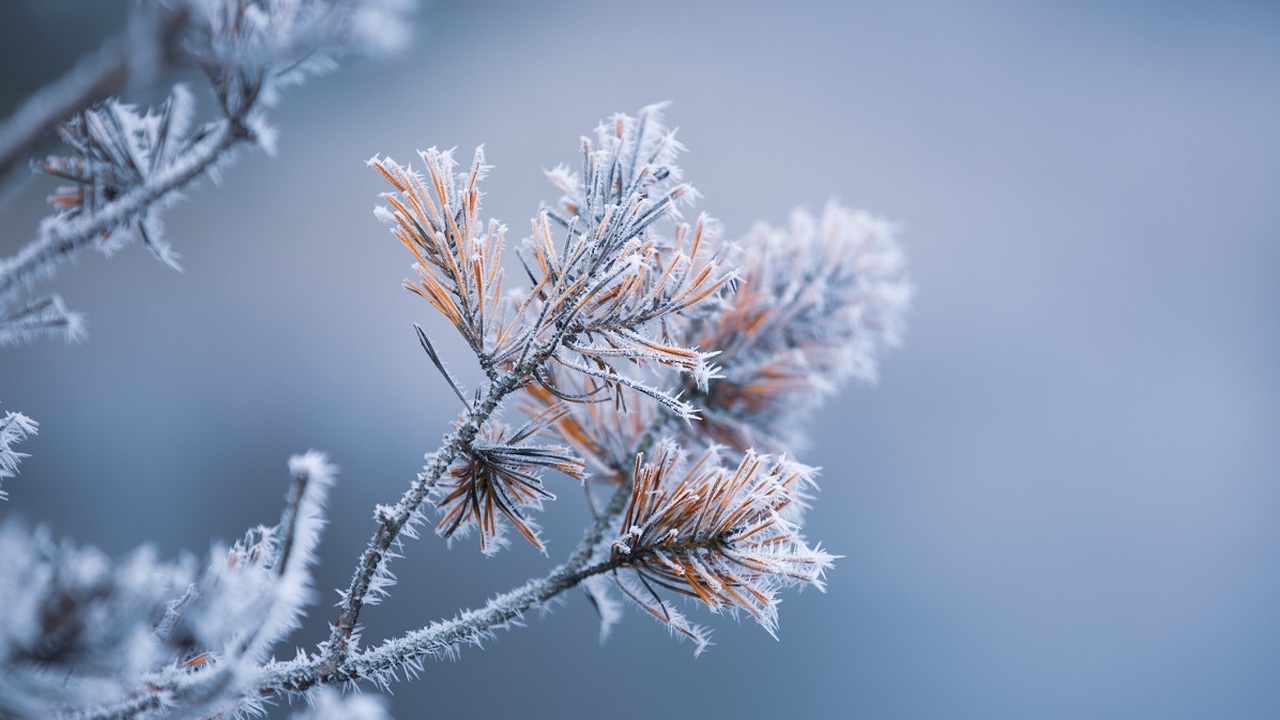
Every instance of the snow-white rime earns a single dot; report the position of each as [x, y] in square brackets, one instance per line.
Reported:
[658, 363]
[330, 704]
[14, 428]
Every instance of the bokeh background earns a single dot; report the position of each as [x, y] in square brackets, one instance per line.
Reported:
[1060, 501]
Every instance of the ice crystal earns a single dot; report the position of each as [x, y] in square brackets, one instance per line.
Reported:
[14, 428]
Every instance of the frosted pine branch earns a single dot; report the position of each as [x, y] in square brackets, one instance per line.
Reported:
[655, 352]
[611, 280]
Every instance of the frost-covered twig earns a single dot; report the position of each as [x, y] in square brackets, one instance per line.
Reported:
[613, 279]
[443, 638]
[128, 166]
[595, 301]
[60, 239]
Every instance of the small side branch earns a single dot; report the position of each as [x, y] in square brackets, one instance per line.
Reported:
[393, 521]
[441, 638]
[61, 239]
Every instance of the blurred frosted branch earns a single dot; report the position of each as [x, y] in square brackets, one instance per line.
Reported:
[125, 166]
[131, 59]
[93, 79]
[85, 636]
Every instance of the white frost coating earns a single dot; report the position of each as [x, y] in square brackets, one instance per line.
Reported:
[14, 428]
[314, 477]
[330, 704]
[76, 630]
[254, 593]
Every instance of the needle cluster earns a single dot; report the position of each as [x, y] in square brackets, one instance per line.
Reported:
[728, 536]
[498, 476]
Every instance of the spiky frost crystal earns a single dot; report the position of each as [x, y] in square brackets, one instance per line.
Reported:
[14, 428]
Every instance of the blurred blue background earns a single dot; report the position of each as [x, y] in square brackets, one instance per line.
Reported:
[1061, 501]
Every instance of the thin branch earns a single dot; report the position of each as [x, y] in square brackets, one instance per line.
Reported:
[440, 638]
[437, 639]
[468, 626]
